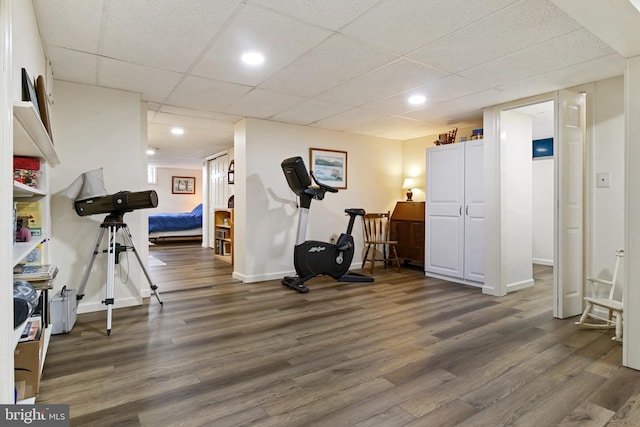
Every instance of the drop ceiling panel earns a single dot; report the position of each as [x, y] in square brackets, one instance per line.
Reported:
[71, 24]
[608, 66]
[213, 115]
[335, 61]
[437, 91]
[194, 123]
[350, 118]
[206, 94]
[279, 38]
[73, 66]
[395, 77]
[455, 109]
[387, 124]
[261, 104]
[154, 85]
[323, 13]
[416, 23]
[165, 34]
[514, 28]
[310, 111]
[564, 51]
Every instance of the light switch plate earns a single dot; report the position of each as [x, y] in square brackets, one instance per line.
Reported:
[602, 180]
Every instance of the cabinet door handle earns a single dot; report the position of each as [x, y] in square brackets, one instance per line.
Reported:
[467, 210]
[460, 210]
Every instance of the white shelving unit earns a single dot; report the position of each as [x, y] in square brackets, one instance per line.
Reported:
[31, 139]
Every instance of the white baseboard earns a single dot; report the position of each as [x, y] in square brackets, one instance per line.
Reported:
[90, 307]
[519, 285]
[541, 261]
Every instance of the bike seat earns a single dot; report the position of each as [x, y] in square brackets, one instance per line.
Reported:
[355, 211]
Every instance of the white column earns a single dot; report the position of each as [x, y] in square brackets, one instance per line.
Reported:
[6, 203]
[631, 285]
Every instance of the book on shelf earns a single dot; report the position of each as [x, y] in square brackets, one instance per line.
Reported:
[35, 257]
[32, 330]
[33, 272]
[29, 214]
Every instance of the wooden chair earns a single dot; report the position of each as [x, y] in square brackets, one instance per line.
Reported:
[602, 295]
[376, 233]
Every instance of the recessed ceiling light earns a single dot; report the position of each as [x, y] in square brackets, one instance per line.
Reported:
[177, 131]
[252, 58]
[152, 150]
[417, 99]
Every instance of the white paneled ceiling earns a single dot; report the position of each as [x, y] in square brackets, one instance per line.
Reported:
[335, 64]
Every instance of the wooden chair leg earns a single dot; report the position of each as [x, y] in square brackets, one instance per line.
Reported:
[373, 258]
[366, 253]
[395, 256]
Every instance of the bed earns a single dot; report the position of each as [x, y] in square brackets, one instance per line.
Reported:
[176, 225]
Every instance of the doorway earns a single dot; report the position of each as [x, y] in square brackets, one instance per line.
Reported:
[509, 240]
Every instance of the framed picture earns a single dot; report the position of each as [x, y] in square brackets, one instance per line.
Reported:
[329, 166]
[183, 185]
[44, 105]
[29, 90]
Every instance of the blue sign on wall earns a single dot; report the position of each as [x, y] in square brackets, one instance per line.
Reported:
[543, 147]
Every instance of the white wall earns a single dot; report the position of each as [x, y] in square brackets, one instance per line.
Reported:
[517, 187]
[543, 184]
[28, 52]
[97, 127]
[631, 346]
[176, 203]
[607, 153]
[266, 214]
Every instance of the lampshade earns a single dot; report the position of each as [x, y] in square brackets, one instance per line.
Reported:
[408, 183]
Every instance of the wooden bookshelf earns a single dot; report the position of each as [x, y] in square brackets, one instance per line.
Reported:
[223, 234]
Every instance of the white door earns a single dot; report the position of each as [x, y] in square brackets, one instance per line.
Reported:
[568, 277]
[474, 212]
[218, 188]
[444, 237]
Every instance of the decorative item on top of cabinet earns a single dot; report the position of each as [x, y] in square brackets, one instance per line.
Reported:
[231, 172]
[447, 138]
[223, 234]
[407, 227]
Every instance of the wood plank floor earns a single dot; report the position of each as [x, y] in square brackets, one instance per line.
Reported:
[403, 351]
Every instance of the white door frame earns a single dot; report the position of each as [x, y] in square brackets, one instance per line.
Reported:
[495, 268]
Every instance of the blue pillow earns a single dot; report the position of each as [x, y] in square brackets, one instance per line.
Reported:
[197, 210]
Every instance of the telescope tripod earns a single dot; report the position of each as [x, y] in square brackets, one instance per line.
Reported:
[112, 224]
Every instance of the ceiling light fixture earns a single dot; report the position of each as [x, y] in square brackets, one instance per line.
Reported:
[636, 4]
[177, 131]
[252, 58]
[417, 99]
[152, 150]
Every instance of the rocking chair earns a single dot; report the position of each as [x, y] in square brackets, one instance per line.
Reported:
[606, 302]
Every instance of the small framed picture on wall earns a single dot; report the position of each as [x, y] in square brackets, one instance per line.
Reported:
[183, 185]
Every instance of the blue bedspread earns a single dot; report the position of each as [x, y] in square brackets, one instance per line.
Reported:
[176, 221]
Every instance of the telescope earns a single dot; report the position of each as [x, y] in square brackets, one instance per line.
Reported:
[117, 204]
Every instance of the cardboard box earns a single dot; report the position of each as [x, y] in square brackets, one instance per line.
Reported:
[26, 359]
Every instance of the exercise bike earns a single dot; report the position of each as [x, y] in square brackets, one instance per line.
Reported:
[312, 258]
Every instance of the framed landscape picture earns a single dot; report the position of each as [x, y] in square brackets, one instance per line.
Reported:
[183, 185]
[329, 166]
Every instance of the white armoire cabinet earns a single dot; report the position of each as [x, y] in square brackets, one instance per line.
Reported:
[454, 237]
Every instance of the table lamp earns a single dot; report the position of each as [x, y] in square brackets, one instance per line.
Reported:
[408, 184]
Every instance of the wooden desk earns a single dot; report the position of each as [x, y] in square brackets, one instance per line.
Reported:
[407, 227]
